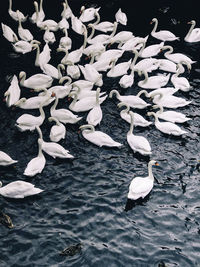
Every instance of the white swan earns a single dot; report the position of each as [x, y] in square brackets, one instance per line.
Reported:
[131, 100]
[151, 50]
[133, 43]
[170, 115]
[100, 65]
[36, 81]
[121, 37]
[193, 34]
[33, 102]
[36, 165]
[49, 37]
[95, 115]
[104, 26]
[63, 24]
[14, 14]
[41, 14]
[63, 115]
[167, 127]
[50, 70]
[84, 104]
[176, 57]
[138, 119]
[88, 14]
[140, 187]
[94, 49]
[65, 42]
[12, 95]
[73, 71]
[53, 149]
[166, 65]
[19, 189]
[97, 137]
[6, 160]
[24, 34]
[66, 12]
[121, 17]
[83, 84]
[137, 143]
[162, 35]
[119, 69]
[153, 82]
[57, 131]
[91, 74]
[77, 25]
[43, 57]
[72, 57]
[24, 46]
[109, 55]
[181, 83]
[9, 34]
[82, 93]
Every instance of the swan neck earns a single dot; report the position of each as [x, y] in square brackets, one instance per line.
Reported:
[114, 29]
[37, 55]
[150, 171]
[115, 92]
[155, 26]
[170, 50]
[92, 32]
[98, 18]
[190, 30]
[134, 59]
[53, 107]
[39, 132]
[126, 110]
[40, 154]
[42, 114]
[10, 5]
[59, 71]
[132, 123]
[41, 3]
[74, 101]
[23, 79]
[145, 77]
[97, 96]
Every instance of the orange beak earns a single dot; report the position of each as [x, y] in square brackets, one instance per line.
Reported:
[156, 164]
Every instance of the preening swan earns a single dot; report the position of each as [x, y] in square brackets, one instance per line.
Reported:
[14, 14]
[97, 137]
[167, 127]
[6, 160]
[162, 35]
[193, 34]
[36, 165]
[9, 34]
[137, 143]
[151, 50]
[19, 189]
[57, 131]
[121, 17]
[95, 115]
[73, 71]
[12, 95]
[141, 186]
[36, 81]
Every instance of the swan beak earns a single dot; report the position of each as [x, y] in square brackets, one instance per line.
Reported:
[53, 94]
[156, 164]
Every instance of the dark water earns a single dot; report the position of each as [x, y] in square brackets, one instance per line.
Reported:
[84, 198]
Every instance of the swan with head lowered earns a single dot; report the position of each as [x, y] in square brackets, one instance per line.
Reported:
[140, 187]
[52, 71]
[24, 46]
[36, 81]
[193, 34]
[97, 137]
[153, 82]
[163, 35]
[9, 34]
[167, 127]
[49, 37]
[95, 115]
[6, 160]
[77, 25]
[151, 50]
[19, 189]
[16, 15]
[12, 95]
[137, 143]
[82, 93]
[138, 119]
[181, 83]
[57, 131]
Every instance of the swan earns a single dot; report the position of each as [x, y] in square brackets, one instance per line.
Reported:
[12, 95]
[53, 149]
[24, 46]
[95, 115]
[100, 65]
[97, 137]
[181, 83]
[63, 115]
[138, 119]
[14, 14]
[65, 42]
[53, 72]
[151, 50]
[193, 34]
[109, 55]
[121, 17]
[63, 24]
[49, 37]
[66, 12]
[131, 100]
[57, 131]
[82, 93]
[153, 82]
[119, 69]
[73, 71]
[84, 104]
[137, 143]
[162, 35]
[170, 115]
[147, 64]
[72, 57]
[162, 91]
[77, 25]
[41, 14]
[133, 43]
[94, 49]
[166, 127]
[19, 189]
[88, 14]
[29, 122]
[9, 34]
[6, 160]
[140, 187]
[36, 81]
[36, 165]
[166, 65]
[43, 57]
[24, 34]
[121, 37]
[33, 102]
[91, 74]
[83, 84]
[104, 26]
[176, 57]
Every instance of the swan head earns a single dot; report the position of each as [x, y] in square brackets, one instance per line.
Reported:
[113, 92]
[21, 100]
[153, 163]
[87, 127]
[82, 9]
[21, 75]
[1, 184]
[153, 20]
[193, 22]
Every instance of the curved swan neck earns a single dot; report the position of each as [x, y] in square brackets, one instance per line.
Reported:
[19, 20]
[127, 107]
[114, 29]
[10, 5]
[42, 114]
[39, 132]
[92, 31]
[145, 76]
[143, 92]
[155, 116]
[97, 95]
[88, 127]
[160, 111]
[136, 54]
[193, 23]
[37, 55]
[150, 173]
[23, 78]
[132, 122]
[98, 18]
[60, 66]
[41, 2]
[114, 92]
[170, 49]
[62, 79]
[54, 119]
[155, 25]
[53, 107]
[74, 99]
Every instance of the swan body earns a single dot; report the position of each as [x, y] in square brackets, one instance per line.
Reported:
[24, 46]
[101, 65]
[162, 35]
[36, 81]
[82, 93]
[166, 65]
[97, 137]
[6, 160]
[163, 91]
[19, 189]
[12, 95]
[49, 37]
[131, 100]
[193, 34]
[77, 25]
[72, 57]
[119, 69]
[94, 49]
[110, 54]
[121, 17]
[95, 115]
[140, 187]
[151, 50]
[137, 143]
[104, 26]
[180, 83]
[24, 34]
[170, 101]
[43, 57]
[126, 80]
[41, 15]
[88, 14]
[16, 15]
[36, 165]
[65, 41]
[53, 72]
[176, 57]
[9, 34]
[147, 64]
[121, 37]
[91, 74]
[153, 82]
[57, 131]
[133, 43]
[83, 84]
[167, 127]
[61, 91]
[63, 24]
[138, 119]
[33, 102]
[73, 71]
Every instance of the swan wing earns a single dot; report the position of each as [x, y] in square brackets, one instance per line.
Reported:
[140, 187]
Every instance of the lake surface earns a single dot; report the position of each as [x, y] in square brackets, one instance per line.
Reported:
[84, 199]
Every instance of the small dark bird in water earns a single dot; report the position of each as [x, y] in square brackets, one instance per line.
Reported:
[72, 250]
[6, 220]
